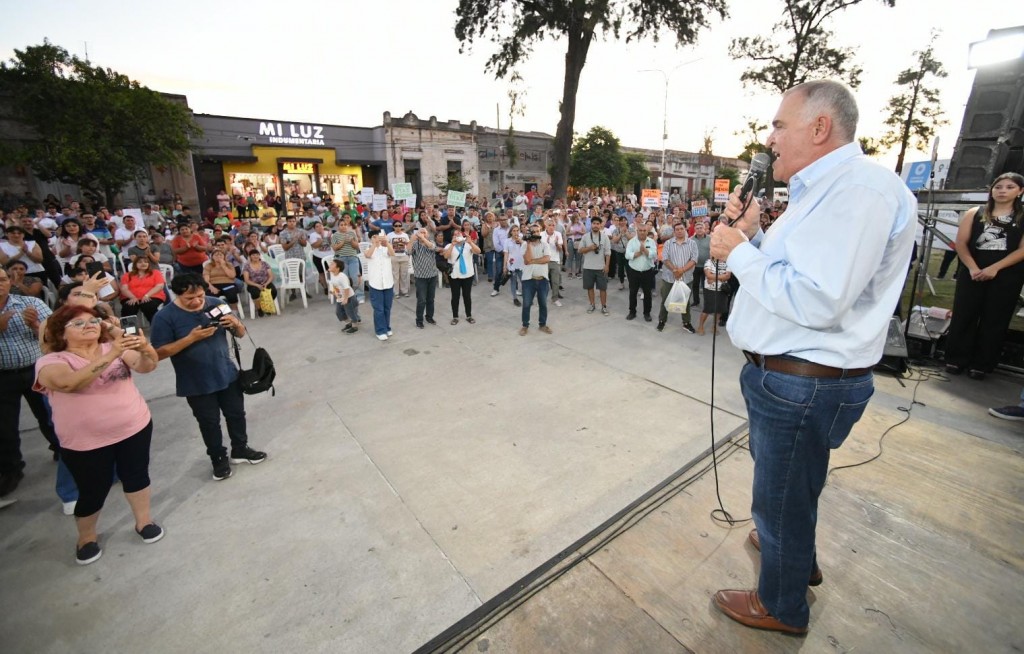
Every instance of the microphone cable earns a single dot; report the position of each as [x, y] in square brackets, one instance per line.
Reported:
[721, 515]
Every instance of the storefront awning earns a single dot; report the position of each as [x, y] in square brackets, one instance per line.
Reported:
[306, 159]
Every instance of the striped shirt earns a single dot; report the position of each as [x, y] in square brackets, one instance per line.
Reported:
[678, 254]
[424, 263]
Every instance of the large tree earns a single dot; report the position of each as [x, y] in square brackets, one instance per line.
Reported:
[514, 26]
[597, 160]
[89, 126]
[915, 113]
[809, 51]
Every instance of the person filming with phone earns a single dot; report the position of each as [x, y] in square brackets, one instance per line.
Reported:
[191, 332]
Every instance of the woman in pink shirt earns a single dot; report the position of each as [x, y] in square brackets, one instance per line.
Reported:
[103, 421]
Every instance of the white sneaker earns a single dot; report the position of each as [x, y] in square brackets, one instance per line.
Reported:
[493, 293]
[558, 303]
[382, 337]
[69, 507]
[519, 293]
[390, 332]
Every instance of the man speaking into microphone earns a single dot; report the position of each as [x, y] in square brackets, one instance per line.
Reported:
[816, 294]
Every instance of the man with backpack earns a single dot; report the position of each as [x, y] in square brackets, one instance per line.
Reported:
[191, 331]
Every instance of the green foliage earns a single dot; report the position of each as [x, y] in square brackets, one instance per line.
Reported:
[915, 113]
[597, 160]
[95, 127]
[636, 170]
[513, 27]
[870, 146]
[808, 53]
[756, 142]
[729, 173]
[452, 182]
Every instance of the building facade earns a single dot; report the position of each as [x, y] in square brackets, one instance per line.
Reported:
[689, 173]
[260, 157]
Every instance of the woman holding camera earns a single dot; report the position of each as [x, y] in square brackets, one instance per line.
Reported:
[103, 421]
[459, 254]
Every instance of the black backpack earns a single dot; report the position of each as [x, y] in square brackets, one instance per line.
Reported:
[260, 377]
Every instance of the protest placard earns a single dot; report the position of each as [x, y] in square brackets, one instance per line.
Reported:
[401, 190]
[650, 197]
[721, 191]
[380, 202]
[366, 195]
[456, 198]
[699, 208]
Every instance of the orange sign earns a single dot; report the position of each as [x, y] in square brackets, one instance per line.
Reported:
[650, 197]
[721, 191]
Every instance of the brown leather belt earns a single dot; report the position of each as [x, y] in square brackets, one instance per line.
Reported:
[801, 368]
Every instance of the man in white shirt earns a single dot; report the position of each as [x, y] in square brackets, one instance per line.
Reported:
[400, 243]
[556, 250]
[536, 256]
[811, 316]
[381, 280]
[124, 237]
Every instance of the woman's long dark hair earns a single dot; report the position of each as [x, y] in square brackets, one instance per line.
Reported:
[1018, 205]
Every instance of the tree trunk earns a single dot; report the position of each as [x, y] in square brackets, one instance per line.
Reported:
[575, 58]
[905, 137]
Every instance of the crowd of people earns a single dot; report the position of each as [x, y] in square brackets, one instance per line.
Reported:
[68, 276]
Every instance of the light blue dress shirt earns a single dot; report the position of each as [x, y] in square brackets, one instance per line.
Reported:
[824, 280]
[641, 262]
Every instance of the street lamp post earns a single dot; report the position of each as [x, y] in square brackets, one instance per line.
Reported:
[664, 123]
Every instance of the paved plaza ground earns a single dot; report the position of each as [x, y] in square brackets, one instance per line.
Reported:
[408, 481]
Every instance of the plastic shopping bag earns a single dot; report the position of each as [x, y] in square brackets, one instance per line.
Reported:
[678, 300]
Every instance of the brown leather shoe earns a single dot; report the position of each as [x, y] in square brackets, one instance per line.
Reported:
[744, 606]
[816, 576]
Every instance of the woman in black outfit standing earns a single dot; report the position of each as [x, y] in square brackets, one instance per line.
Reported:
[990, 278]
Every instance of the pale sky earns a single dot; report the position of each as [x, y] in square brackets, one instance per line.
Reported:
[345, 62]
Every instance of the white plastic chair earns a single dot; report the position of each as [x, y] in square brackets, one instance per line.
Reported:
[325, 265]
[276, 251]
[293, 277]
[167, 270]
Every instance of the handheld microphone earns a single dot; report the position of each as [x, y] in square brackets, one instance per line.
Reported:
[758, 165]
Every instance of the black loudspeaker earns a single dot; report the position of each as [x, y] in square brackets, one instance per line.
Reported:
[991, 140]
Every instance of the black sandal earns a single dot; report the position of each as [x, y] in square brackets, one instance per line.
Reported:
[954, 369]
[470, 320]
[455, 321]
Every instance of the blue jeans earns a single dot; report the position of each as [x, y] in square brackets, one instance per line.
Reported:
[381, 301]
[353, 272]
[515, 281]
[493, 261]
[347, 311]
[538, 288]
[794, 422]
[499, 268]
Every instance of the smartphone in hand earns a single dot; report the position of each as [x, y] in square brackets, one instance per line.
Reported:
[130, 325]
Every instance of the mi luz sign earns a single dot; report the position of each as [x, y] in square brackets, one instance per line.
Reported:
[292, 133]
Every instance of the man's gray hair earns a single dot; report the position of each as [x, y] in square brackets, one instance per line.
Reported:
[832, 98]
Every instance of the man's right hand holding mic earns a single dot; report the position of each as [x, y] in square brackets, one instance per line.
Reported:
[744, 227]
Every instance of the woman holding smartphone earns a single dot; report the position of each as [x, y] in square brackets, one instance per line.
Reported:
[98, 439]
